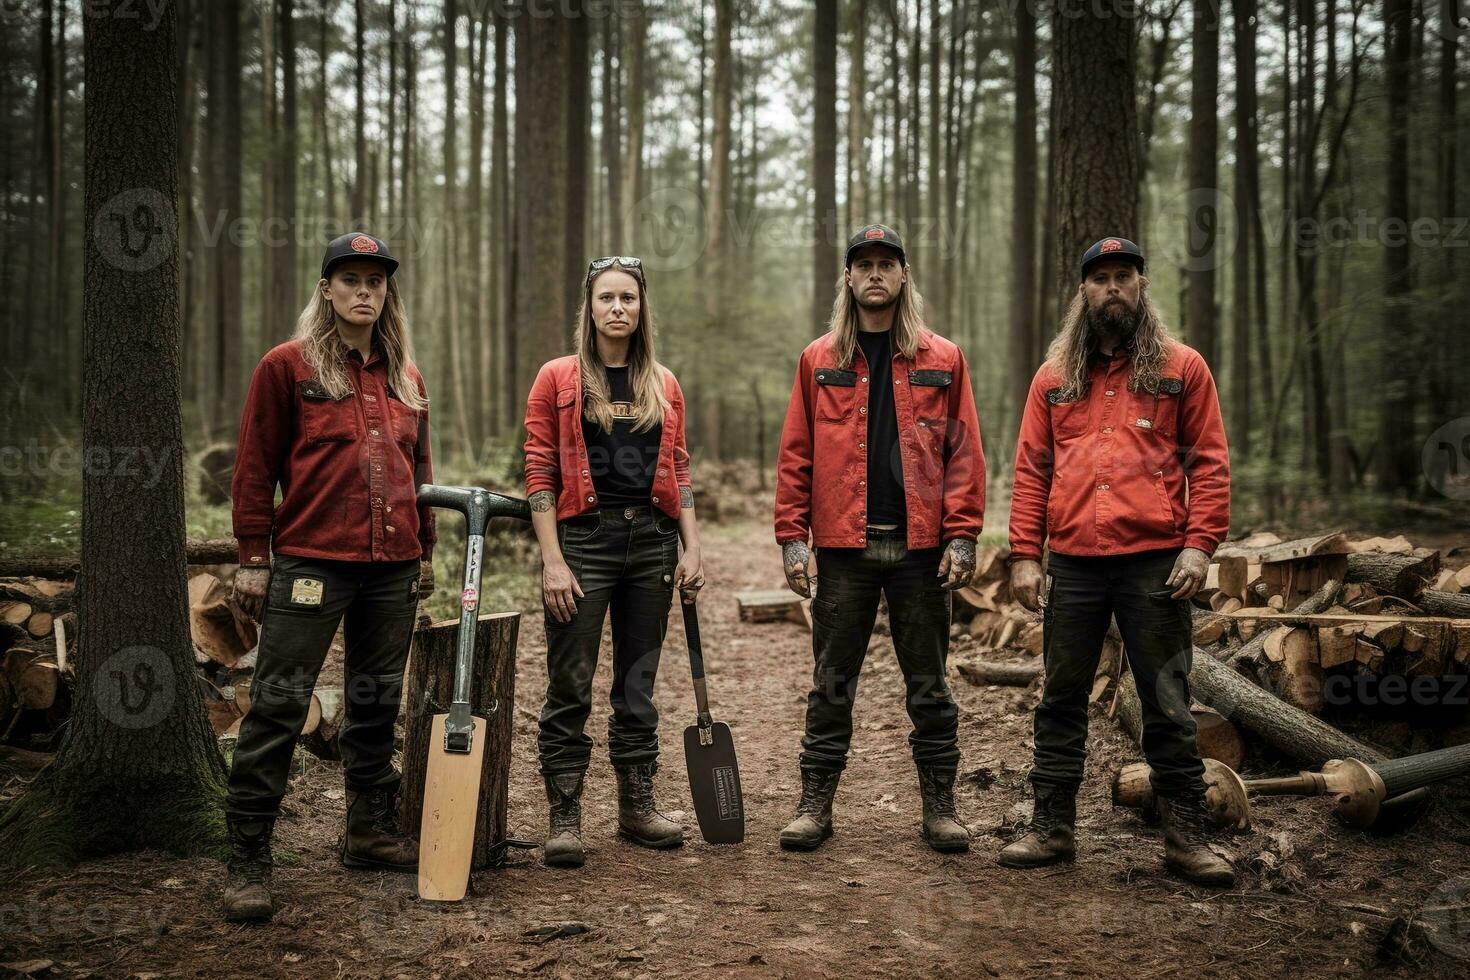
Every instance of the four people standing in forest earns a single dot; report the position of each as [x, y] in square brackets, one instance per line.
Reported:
[1121, 472]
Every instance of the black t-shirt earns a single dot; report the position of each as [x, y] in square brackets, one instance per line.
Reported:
[886, 504]
[622, 461]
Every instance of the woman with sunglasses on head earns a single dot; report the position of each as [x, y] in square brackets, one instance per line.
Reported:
[607, 475]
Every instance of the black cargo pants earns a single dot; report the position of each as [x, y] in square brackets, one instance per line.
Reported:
[306, 599]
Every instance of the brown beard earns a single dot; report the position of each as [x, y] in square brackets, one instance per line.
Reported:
[859, 294]
[1114, 321]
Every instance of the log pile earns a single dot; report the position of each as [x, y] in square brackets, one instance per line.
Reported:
[986, 611]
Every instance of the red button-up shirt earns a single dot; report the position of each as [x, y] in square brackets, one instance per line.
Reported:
[1117, 471]
[822, 471]
[348, 469]
[556, 453]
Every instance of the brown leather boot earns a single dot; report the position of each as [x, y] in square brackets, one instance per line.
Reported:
[1052, 837]
[247, 895]
[563, 848]
[942, 828]
[373, 839]
[813, 823]
[638, 820]
[1188, 829]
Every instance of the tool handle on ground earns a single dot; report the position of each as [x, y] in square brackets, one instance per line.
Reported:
[696, 659]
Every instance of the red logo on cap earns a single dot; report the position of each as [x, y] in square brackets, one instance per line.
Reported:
[363, 243]
[1111, 245]
[873, 233]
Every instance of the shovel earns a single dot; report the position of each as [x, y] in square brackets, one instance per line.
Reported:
[709, 752]
[457, 739]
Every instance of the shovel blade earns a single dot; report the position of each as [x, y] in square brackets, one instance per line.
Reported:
[451, 804]
[714, 782]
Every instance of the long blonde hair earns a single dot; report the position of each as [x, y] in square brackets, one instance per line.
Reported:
[323, 349]
[645, 377]
[908, 319]
[1076, 343]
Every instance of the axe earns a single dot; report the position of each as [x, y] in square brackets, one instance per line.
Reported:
[457, 739]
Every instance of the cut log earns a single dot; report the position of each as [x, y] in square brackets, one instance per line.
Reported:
[1404, 576]
[1250, 654]
[1337, 645]
[1437, 603]
[1217, 736]
[320, 739]
[983, 672]
[1235, 575]
[769, 606]
[218, 628]
[39, 625]
[492, 697]
[15, 613]
[1335, 619]
[32, 676]
[1447, 581]
[1291, 669]
[1331, 543]
[214, 551]
[1209, 629]
[1298, 735]
[1398, 545]
[1222, 603]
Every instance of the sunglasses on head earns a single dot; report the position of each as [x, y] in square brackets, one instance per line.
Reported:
[630, 262]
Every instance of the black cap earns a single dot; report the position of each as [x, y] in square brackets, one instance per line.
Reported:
[1112, 248]
[357, 245]
[874, 235]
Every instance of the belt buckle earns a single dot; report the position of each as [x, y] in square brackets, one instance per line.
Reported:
[628, 513]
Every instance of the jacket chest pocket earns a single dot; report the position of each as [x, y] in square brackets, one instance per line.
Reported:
[836, 391]
[929, 393]
[1069, 412]
[1159, 412]
[405, 422]
[324, 418]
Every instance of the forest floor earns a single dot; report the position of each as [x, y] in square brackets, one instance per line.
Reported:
[1314, 899]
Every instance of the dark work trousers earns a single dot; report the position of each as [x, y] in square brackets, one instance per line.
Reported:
[849, 582]
[623, 558]
[1082, 593]
[307, 598]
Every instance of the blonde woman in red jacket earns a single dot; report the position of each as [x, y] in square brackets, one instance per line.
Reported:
[607, 475]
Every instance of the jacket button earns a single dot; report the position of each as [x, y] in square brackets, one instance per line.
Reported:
[590, 498]
[389, 528]
[655, 500]
[388, 509]
[865, 379]
[862, 445]
[863, 410]
[584, 473]
[862, 483]
[373, 431]
[1107, 428]
[898, 381]
[663, 472]
[1110, 393]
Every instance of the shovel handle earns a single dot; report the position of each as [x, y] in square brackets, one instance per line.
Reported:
[696, 662]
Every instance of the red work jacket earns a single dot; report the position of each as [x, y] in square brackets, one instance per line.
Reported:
[556, 454]
[348, 469]
[822, 471]
[1116, 471]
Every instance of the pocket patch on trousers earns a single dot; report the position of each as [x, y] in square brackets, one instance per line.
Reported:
[306, 592]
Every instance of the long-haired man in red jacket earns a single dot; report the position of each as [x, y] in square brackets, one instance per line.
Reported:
[881, 470]
[1122, 468]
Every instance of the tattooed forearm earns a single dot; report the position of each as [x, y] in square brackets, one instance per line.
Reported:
[686, 498]
[542, 501]
[795, 553]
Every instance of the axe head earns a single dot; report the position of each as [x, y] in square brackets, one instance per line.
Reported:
[451, 805]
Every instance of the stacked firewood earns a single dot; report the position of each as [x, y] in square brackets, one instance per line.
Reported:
[38, 636]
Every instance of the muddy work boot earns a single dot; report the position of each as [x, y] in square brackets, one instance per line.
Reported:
[1053, 828]
[373, 839]
[1188, 829]
[563, 848]
[942, 828]
[247, 895]
[813, 823]
[638, 820]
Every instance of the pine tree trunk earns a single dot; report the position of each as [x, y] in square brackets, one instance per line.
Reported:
[541, 317]
[289, 298]
[1397, 449]
[1246, 167]
[1023, 216]
[1204, 209]
[139, 748]
[359, 80]
[857, 157]
[633, 29]
[579, 95]
[222, 209]
[502, 250]
[825, 234]
[1095, 142]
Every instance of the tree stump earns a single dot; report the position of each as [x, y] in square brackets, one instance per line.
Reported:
[430, 690]
[1397, 575]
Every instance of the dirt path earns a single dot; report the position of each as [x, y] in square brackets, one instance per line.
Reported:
[1315, 899]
